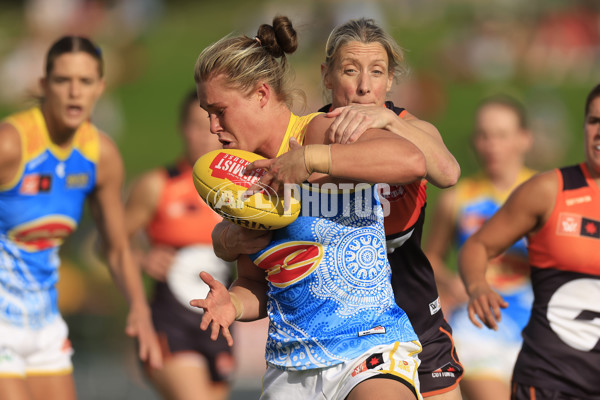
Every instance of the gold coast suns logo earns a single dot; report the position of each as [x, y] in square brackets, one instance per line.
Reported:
[43, 233]
[290, 262]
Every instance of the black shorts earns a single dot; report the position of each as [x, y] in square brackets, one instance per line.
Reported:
[521, 391]
[179, 331]
[440, 369]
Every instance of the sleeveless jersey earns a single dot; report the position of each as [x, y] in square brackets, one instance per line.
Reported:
[182, 220]
[181, 217]
[561, 346]
[477, 200]
[412, 275]
[330, 298]
[39, 208]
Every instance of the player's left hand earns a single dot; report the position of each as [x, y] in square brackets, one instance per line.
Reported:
[353, 120]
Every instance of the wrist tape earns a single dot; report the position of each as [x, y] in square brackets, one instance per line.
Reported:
[237, 304]
[317, 158]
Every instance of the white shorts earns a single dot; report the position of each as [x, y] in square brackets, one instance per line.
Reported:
[28, 352]
[485, 353]
[397, 361]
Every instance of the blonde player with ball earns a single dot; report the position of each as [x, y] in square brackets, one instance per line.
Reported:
[163, 203]
[324, 280]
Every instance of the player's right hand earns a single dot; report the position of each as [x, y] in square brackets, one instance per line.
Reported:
[485, 303]
[219, 311]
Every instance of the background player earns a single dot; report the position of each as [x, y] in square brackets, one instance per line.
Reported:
[51, 159]
[165, 204]
[559, 212]
[501, 140]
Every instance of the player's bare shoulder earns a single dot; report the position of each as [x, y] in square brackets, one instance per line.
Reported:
[146, 188]
[110, 164]
[316, 130]
[537, 195]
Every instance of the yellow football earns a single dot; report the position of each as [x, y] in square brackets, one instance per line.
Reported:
[220, 181]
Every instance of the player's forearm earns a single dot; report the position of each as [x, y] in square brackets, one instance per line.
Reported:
[442, 168]
[249, 298]
[127, 277]
[390, 159]
[472, 264]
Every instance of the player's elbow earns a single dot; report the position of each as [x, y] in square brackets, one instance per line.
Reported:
[449, 174]
[406, 168]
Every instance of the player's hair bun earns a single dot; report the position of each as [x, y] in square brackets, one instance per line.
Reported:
[279, 38]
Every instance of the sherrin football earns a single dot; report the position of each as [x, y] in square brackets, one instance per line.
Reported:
[220, 181]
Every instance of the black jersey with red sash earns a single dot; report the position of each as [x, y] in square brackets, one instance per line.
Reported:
[413, 280]
[561, 342]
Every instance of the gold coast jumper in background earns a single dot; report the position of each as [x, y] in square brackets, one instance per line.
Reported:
[220, 181]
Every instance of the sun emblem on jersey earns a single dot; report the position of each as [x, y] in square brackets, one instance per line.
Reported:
[290, 262]
[43, 233]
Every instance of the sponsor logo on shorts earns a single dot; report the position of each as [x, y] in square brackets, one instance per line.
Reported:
[435, 306]
[6, 355]
[66, 346]
[449, 370]
[373, 331]
[373, 361]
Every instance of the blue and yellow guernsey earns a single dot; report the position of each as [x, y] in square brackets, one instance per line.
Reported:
[39, 208]
[477, 201]
[330, 298]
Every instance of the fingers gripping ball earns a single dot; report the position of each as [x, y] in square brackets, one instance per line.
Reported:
[220, 181]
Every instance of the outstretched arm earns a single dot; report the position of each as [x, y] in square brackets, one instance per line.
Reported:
[107, 209]
[245, 301]
[352, 121]
[525, 211]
